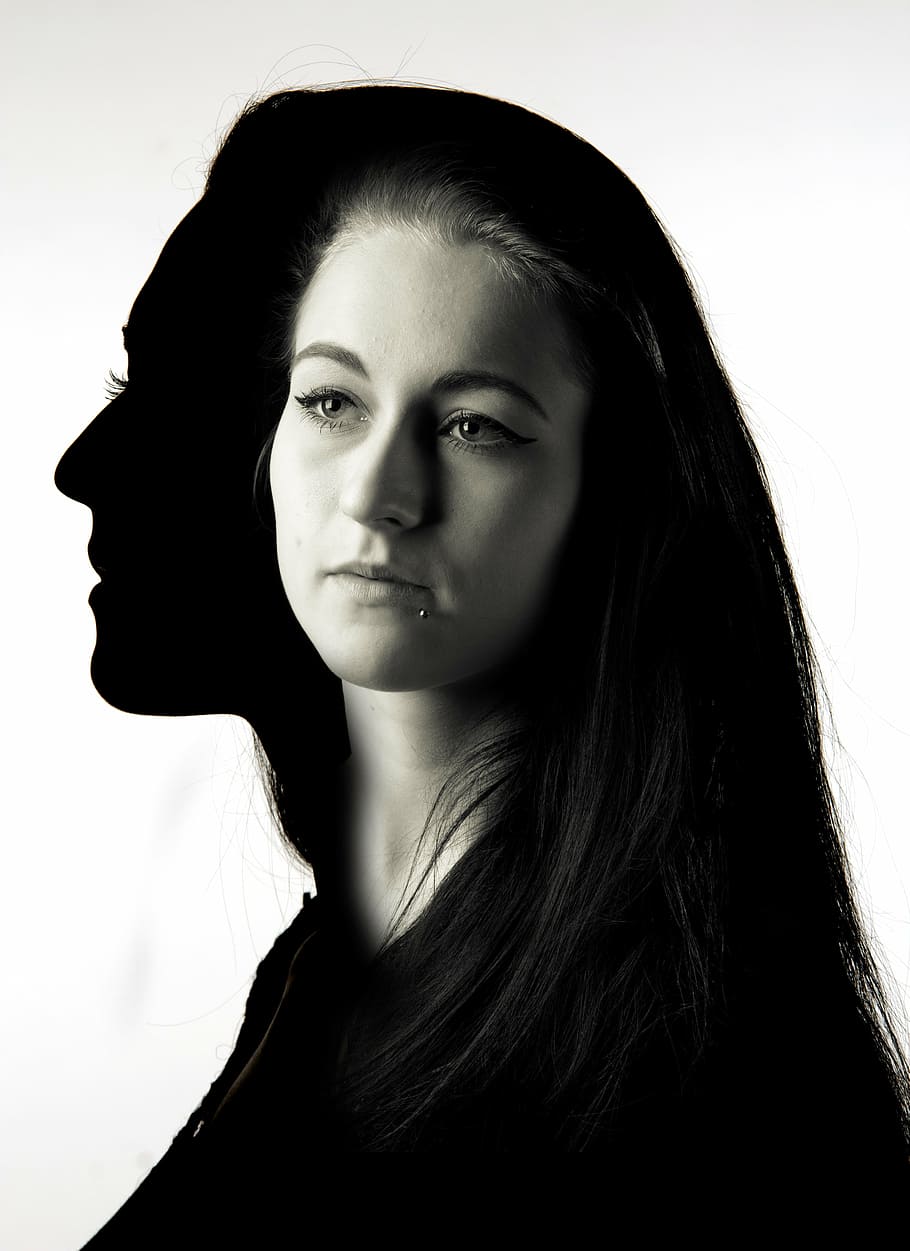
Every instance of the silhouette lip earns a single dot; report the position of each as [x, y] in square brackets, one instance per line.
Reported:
[98, 566]
[377, 573]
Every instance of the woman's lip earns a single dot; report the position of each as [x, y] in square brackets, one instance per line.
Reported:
[101, 563]
[373, 590]
[377, 573]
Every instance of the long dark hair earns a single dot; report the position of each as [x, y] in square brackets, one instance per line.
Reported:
[658, 893]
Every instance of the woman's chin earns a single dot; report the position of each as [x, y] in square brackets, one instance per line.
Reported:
[131, 688]
[155, 683]
[403, 676]
[415, 667]
[387, 669]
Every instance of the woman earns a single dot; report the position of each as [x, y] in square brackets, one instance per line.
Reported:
[539, 706]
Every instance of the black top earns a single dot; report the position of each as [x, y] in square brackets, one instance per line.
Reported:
[225, 1145]
[259, 1159]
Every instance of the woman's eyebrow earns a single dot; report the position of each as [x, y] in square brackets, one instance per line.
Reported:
[332, 352]
[453, 380]
[463, 379]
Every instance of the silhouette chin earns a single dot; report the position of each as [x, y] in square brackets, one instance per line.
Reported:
[146, 690]
[152, 667]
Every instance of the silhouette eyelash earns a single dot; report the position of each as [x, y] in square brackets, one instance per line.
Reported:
[114, 385]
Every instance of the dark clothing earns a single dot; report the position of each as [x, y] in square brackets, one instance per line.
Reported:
[219, 1156]
[260, 1155]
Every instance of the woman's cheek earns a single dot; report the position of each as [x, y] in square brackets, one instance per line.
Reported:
[301, 483]
[509, 552]
[279, 471]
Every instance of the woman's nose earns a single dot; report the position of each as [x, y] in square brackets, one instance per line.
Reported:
[77, 467]
[389, 480]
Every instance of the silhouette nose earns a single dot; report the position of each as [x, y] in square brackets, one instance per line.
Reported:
[71, 477]
[389, 481]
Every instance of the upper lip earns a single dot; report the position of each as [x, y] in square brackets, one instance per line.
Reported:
[99, 566]
[380, 573]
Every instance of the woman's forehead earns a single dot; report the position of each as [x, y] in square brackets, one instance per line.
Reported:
[389, 295]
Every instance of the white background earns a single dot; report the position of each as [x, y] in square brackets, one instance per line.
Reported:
[139, 883]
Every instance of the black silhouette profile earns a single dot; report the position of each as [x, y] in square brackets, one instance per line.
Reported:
[650, 951]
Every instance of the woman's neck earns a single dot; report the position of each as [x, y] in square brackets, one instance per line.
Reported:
[404, 744]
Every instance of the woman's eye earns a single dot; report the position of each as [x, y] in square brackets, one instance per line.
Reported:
[471, 429]
[326, 408]
[471, 432]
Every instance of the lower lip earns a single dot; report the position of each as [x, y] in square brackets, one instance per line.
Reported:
[381, 591]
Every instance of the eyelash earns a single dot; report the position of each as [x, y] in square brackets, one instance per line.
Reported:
[509, 437]
[114, 385]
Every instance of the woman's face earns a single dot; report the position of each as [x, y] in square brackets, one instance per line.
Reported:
[190, 613]
[427, 465]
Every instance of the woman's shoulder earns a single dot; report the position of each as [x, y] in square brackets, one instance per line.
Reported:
[168, 1188]
[265, 994]
[272, 970]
